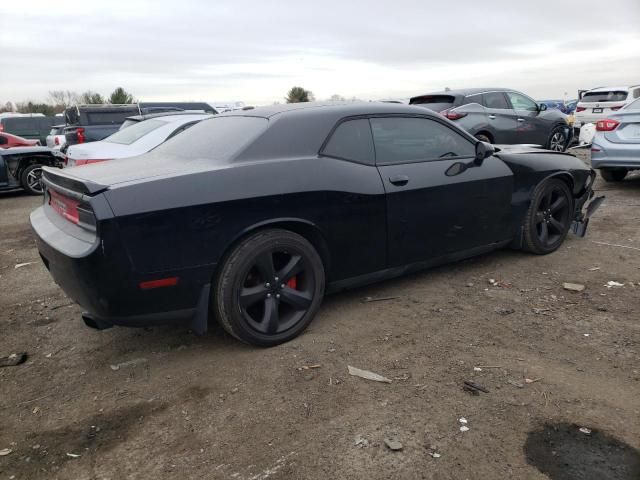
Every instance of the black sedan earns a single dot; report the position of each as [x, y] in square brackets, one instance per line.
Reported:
[253, 216]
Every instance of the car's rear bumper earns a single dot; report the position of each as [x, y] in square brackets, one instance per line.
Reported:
[606, 154]
[100, 278]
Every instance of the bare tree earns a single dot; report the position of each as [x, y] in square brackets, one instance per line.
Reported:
[63, 98]
[90, 97]
[337, 98]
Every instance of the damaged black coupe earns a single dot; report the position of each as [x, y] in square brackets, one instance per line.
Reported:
[21, 167]
[252, 216]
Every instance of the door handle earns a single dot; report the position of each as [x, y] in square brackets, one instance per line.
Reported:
[492, 117]
[521, 119]
[399, 180]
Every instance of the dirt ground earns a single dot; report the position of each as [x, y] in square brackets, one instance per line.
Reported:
[210, 408]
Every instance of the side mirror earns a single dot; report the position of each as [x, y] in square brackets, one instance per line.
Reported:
[542, 107]
[483, 150]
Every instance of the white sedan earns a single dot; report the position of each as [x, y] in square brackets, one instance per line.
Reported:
[134, 140]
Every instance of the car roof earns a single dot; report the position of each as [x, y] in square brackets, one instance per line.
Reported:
[332, 109]
[169, 116]
[608, 89]
[467, 91]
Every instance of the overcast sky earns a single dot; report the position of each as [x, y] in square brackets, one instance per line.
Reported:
[255, 50]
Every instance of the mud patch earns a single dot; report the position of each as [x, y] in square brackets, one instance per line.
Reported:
[563, 452]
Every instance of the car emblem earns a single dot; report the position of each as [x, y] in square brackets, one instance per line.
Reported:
[597, 105]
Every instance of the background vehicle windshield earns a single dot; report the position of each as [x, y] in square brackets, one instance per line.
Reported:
[134, 132]
[612, 96]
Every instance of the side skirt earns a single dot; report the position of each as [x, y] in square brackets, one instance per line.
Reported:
[388, 273]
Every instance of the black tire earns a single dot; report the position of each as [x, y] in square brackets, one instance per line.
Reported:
[613, 174]
[557, 139]
[30, 179]
[483, 138]
[549, 217]
[282, 277]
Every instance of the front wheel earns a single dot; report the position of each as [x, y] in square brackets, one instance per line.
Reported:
[31, 179]
[557, 140]
[613, 174]
[269, 288]
[549, 217]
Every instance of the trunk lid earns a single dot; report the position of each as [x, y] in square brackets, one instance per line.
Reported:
[628, 131]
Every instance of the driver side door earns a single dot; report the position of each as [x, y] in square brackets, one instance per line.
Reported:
[531, 126]
[431, 213]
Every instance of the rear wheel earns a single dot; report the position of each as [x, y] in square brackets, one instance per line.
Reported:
[31, 179]
[557, 140]
[549, 217]
[613, 174]
[269, 288]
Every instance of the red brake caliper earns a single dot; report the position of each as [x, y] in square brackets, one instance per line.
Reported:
[293, 283]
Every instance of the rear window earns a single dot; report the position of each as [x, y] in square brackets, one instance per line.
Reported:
[612, 96]
[128, 123]
[635, 105]
[218, 138]
[106, 118]
[437, 103]
[134, 132]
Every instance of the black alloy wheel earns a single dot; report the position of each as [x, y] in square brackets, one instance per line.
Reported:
[269, 288]
[549, 217]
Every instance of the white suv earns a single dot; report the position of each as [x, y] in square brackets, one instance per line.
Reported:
[599, 103]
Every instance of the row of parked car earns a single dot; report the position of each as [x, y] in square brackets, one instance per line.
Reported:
[96, 133]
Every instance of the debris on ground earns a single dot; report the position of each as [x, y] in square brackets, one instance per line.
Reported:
[13, 359]
[611, 284]
[366, 374]
[464, 428]
[308, 367]
[515, 384]
[594, 269]
[499, 283]
[393, 444]
[5, 451]
[477, 369]
[360, 441]
[73, 455]
[20, 265]
[504, 311]
[130, 363]
[574, 287]
[435, 455]
[585, 430]
[463, 420]
[474, 387]
[615, 245]
[530, 380]
[377, 299]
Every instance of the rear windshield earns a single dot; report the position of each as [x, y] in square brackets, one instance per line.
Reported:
[135, 132]
[128, 123]
[437, 103]
[612, 96]
[106, 118]
[218, 138]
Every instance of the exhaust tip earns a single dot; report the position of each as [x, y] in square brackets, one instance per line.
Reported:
[92, 322]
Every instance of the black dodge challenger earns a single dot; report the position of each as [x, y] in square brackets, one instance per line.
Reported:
[253, 216]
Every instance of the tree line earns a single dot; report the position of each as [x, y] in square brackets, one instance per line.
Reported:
[58, 100]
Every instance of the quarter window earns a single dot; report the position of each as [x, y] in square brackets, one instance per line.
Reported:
[496, 100]
[352, 141]
[403, 140]
[520, 102]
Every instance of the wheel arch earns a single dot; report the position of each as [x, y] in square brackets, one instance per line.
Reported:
[486, 133]
[305, 228]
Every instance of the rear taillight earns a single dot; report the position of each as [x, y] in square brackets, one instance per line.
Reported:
[88, 161]
[56, 141]
[580, 109]
[80, 134]
[617, 108]
[65, 206]
[451, 115]
[1, 127]
[606, 125]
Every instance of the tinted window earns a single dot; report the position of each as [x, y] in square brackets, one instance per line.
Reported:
[477, 98]
[352, 141]
[218, 138]
[496, 100]
[612, 96]
[520, 102]
[400, 140]
[107, 118]
[437, 103]
[134, 132]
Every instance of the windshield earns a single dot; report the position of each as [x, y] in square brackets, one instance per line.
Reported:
[218, 138]
[437, 103]
[134, 132]
[612, 96]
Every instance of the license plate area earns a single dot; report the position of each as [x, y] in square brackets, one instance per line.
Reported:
[597, 110]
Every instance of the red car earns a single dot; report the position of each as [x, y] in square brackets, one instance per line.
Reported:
[8, 140]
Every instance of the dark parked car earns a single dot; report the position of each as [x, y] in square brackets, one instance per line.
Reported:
[31, 127]
[90, 123]
[501, 116]
[21, 167]
[254, 215]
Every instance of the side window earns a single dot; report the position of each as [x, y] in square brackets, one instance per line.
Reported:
[520, 102]
[352, 141]
[496, 100]
[403, 140]
[636, 93]
[477, 98]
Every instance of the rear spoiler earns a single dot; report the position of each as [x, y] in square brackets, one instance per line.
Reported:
[69, 185]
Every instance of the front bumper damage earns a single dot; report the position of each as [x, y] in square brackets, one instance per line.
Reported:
[581, 218]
